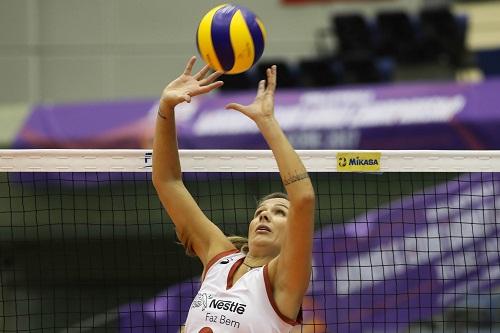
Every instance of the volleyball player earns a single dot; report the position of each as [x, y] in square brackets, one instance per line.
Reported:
[257, 291]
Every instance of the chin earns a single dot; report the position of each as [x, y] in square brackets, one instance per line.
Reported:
[263, 242]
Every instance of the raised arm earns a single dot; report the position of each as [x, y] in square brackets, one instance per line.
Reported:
[290, 271]
[193, 228]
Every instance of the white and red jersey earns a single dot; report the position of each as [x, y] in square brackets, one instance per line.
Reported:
[246, 307]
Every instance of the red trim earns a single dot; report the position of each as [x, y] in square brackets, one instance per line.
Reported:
[467, 135]
[217, 257]
[232, 271]
[269, 291]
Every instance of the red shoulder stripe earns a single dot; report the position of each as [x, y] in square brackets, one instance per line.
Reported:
[269, 291]
[212, 261]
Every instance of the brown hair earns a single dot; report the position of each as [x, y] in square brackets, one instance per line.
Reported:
[273, 195]
[241, 243]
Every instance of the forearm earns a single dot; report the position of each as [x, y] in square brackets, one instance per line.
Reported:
[292, 171]
[166, 164]
[293, 267]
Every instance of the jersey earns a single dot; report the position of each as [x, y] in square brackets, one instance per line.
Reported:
[247, 306]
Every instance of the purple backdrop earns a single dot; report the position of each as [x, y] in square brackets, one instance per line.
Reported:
[402, 116]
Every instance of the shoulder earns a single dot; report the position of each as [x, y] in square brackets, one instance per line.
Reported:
[223, 258]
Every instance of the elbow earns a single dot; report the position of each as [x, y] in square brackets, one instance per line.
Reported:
[161, 183]
[160, 187]
[162, 175]
[157, 180]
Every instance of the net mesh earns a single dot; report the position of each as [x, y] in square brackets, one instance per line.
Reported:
[393, 252]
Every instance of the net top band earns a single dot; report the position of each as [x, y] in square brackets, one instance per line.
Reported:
[140, 160]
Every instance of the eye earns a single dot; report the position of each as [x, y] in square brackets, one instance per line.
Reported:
[280, 212]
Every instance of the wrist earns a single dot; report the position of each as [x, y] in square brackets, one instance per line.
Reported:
[265, 122]
[165, 107]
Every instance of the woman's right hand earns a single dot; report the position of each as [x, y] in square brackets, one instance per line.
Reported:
[186, 86]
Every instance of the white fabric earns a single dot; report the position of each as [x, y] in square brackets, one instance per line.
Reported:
[243, 308]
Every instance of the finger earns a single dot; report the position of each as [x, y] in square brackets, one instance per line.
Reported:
[201, 74]
[261, 88]
[182, 98]
[211, 78]
[271, 78]
[187, 98]
[235, 106]
[207, 88]
[189, 66]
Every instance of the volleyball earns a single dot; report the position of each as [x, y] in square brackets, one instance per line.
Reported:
[230, 38]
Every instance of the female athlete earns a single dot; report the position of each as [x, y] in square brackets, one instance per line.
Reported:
[260, 289]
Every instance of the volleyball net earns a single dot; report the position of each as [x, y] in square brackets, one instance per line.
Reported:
[405, 241]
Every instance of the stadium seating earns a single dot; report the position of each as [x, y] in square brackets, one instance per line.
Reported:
[287, 76]
[355, 35]
[442, 35]
[488, 62]
[243, 81]
[372, 50]
[320, 72]
[397, 36]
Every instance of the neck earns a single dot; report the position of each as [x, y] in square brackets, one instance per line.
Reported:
[252, 261]
[262, 252]
[250, 267]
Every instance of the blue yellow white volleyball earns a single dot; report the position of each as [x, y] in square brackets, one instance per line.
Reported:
[230, 38]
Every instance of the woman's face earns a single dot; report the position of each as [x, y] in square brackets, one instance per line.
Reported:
[268, 225]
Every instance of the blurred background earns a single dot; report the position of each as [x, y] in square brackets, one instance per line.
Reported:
[65, 62]
[373, 74]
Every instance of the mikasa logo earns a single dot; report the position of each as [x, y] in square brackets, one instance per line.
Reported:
[358, 161]
[362, 161]
[228, 306]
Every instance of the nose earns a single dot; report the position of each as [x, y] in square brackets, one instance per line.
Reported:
[264, 216]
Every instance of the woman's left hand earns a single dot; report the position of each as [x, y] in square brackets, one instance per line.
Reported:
[262, 108]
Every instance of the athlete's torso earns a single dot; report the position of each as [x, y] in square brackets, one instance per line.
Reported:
[245, 307]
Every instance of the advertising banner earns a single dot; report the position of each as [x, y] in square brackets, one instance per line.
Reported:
[402, 116]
